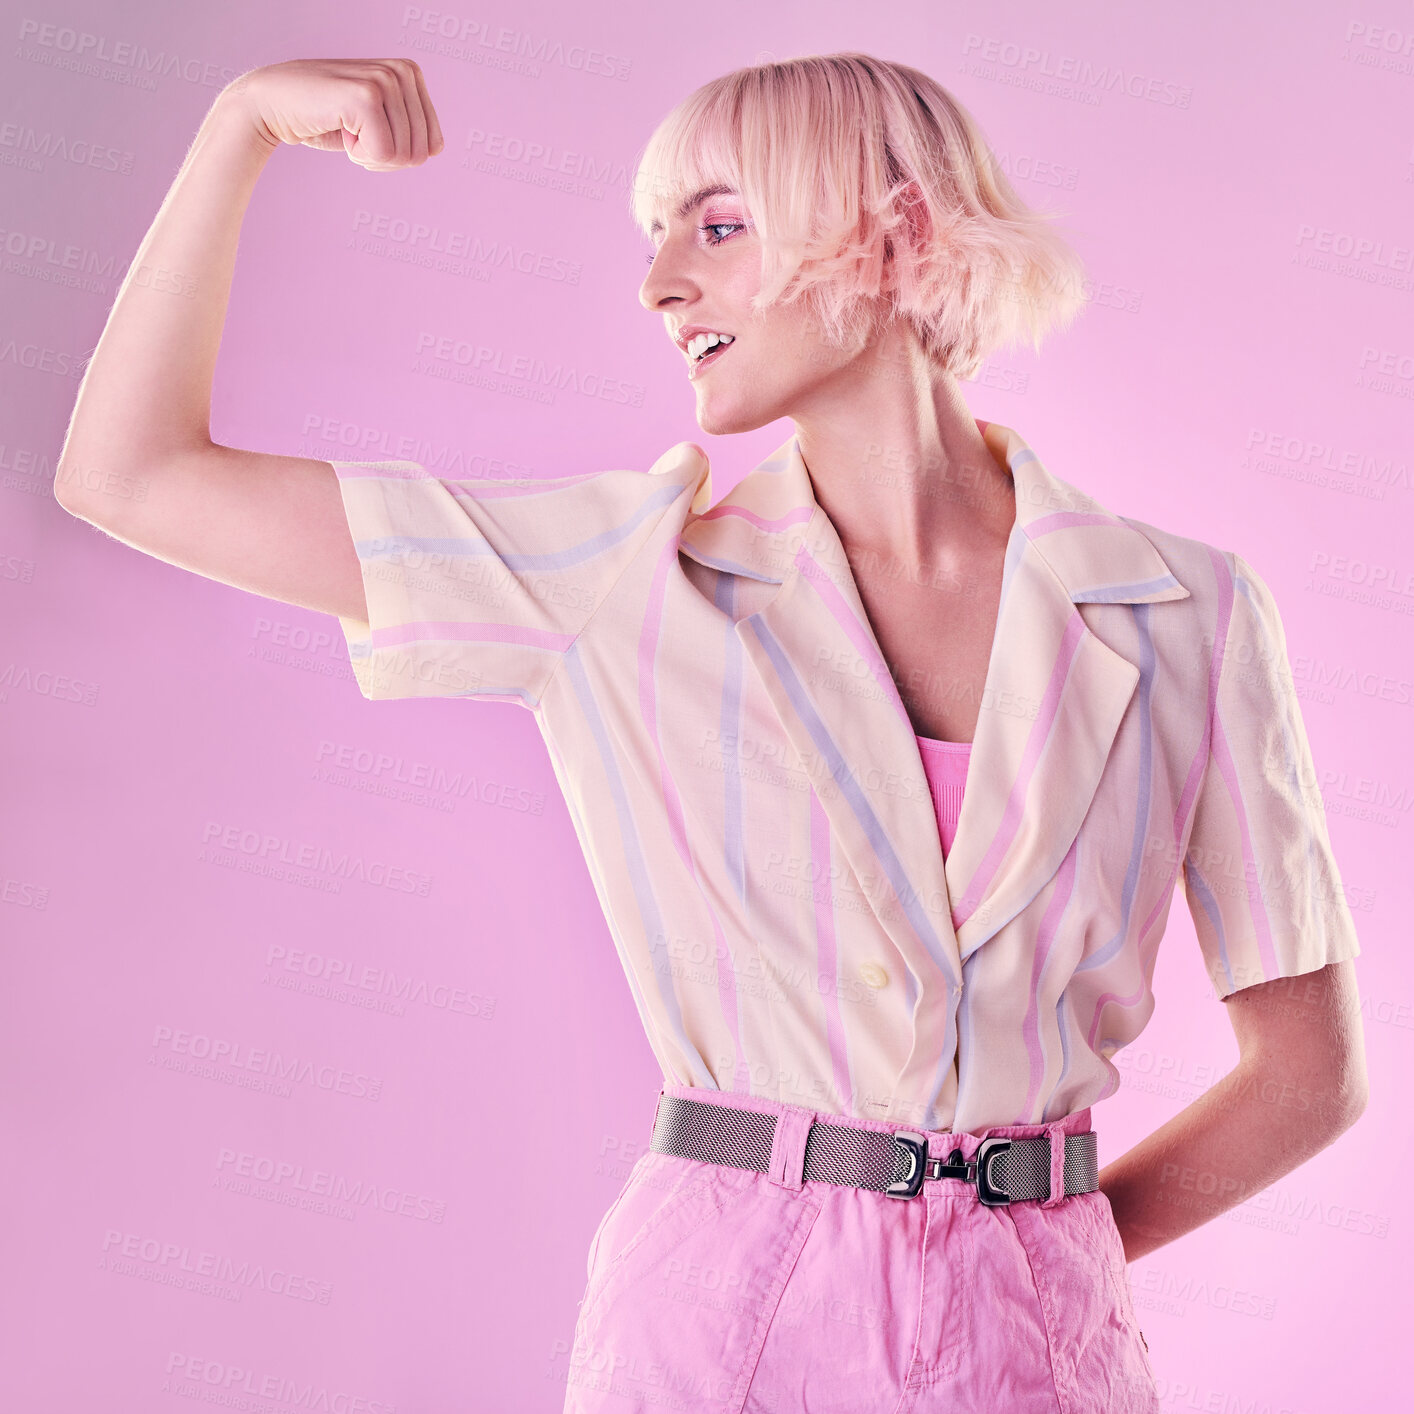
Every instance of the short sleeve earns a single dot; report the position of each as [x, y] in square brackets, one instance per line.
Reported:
[1261, 879]
[477, 588]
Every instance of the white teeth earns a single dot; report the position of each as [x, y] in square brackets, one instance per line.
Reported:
[699, 344]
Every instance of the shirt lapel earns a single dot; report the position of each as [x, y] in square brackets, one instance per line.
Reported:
[1054, 697]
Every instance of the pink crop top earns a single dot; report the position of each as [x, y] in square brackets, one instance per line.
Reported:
[945, 766]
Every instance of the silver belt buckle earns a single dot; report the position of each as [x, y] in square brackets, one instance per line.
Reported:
[992, 1197]
[915, 1149]
[975, 1170]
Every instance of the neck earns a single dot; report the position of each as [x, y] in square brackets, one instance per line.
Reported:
[898, 463]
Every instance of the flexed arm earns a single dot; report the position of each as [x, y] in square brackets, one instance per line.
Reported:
[270, 524]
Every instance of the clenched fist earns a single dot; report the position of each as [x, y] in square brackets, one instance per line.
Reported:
[376, 110]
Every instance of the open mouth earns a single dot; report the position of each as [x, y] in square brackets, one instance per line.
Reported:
[711, 356]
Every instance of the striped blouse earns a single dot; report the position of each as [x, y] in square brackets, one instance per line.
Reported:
[753, 803]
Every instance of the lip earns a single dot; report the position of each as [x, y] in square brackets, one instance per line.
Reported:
[700, 366]
[684, 336]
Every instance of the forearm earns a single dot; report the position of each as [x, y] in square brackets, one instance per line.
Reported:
[1259, 1122]
[147, 390]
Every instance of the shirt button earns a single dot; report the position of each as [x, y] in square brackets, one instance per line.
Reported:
[873, 974]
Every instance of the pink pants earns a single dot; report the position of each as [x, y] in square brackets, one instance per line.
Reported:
[718, 1288]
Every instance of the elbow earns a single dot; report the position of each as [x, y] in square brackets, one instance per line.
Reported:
[65, 489]
[70, 484]
[68, 491]
[1322, 1100]
[94, 492]
[1342, 1097]
[1354, 1095]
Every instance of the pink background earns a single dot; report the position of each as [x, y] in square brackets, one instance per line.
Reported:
[1238, 181]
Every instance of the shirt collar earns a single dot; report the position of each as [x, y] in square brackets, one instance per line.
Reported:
[758, 528]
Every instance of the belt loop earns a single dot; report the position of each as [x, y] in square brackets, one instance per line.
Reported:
[787, 1165]
[1056, 1133]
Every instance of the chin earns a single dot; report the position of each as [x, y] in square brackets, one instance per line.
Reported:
[720, 418]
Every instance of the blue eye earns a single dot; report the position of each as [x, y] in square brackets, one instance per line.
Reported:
[710, 230]
[719, 226]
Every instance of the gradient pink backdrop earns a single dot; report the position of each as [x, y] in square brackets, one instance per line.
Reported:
[1238, 180]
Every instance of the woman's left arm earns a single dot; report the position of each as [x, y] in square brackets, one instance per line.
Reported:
[1299, 1084]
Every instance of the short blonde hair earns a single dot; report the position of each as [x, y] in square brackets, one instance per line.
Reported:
[852, 166]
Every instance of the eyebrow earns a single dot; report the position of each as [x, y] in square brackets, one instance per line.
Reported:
[688, 202]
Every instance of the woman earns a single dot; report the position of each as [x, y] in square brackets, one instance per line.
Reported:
[884, 1005]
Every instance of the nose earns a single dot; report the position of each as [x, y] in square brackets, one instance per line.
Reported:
[667, 281]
